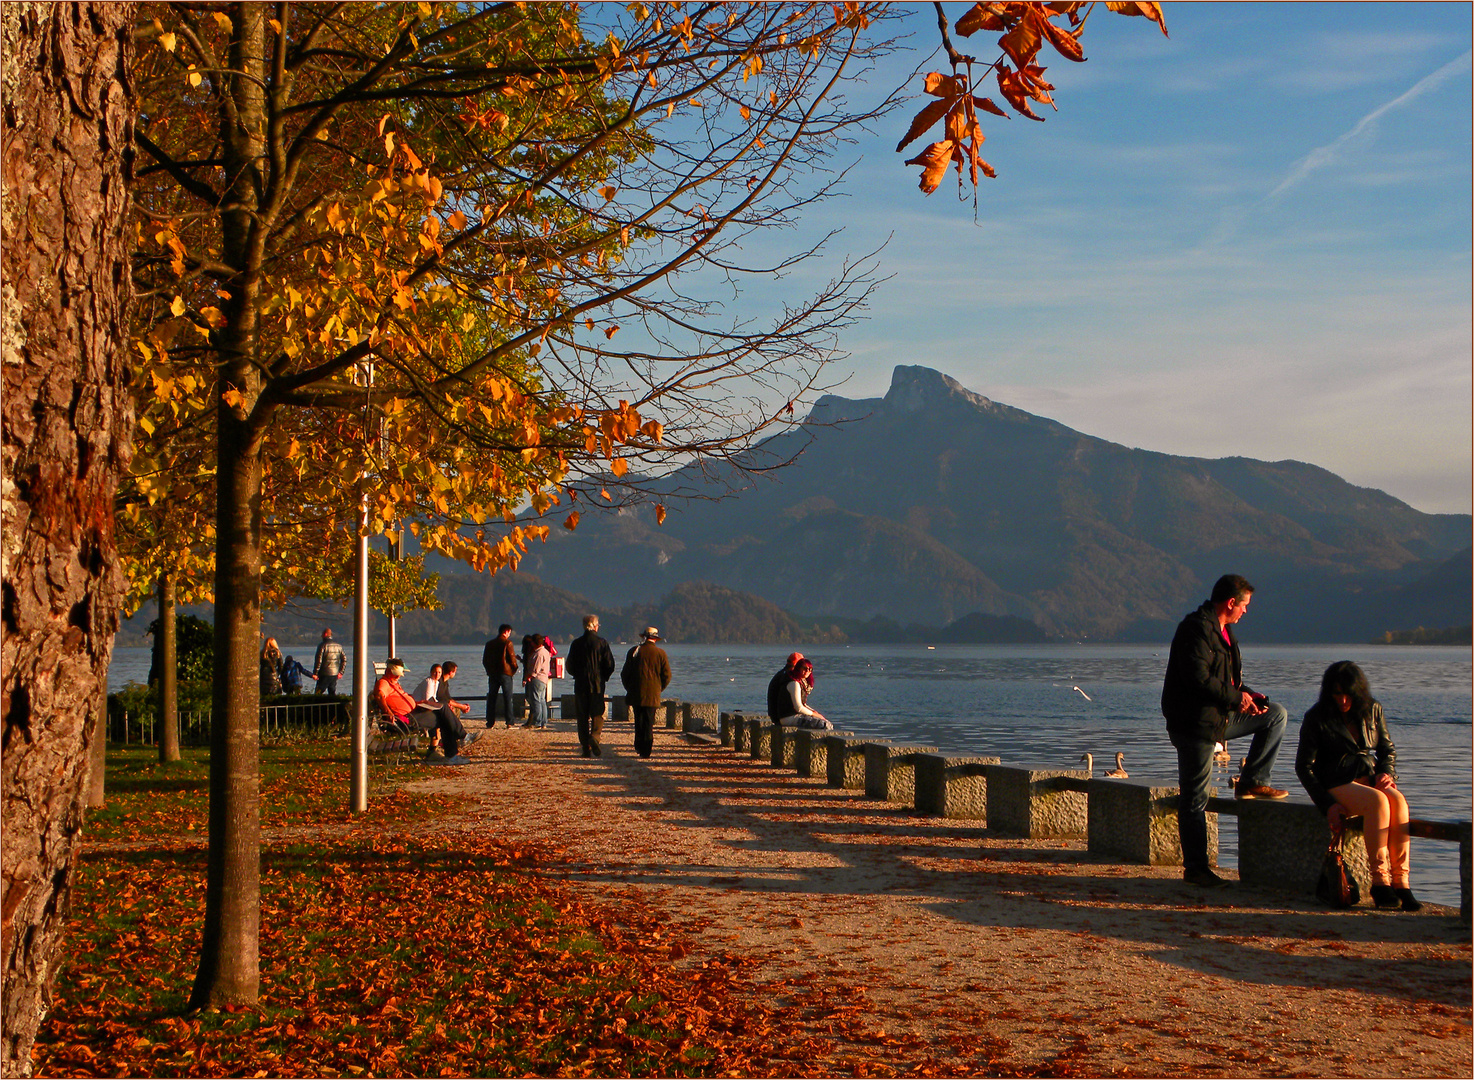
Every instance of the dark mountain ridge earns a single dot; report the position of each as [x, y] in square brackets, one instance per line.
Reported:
[934, 502]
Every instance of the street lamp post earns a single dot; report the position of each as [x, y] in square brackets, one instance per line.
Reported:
[359, 774]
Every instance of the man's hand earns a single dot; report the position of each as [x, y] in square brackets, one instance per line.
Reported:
[1248, 704]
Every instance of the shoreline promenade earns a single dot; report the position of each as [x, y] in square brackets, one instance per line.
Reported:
[917, 945]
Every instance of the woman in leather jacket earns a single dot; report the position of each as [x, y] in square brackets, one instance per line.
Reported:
[1348, 765]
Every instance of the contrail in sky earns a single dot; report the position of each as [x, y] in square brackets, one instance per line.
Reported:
[1322, 156]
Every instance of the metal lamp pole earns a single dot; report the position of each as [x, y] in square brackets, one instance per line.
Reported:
[359, 773]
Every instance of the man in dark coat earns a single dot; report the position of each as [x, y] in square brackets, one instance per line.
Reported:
[645, 675]
[1205, 702]
[499, 658]
[590, 663]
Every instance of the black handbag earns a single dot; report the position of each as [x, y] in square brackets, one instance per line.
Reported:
[1336, 885]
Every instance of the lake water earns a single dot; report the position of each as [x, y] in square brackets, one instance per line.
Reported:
[1021, 703]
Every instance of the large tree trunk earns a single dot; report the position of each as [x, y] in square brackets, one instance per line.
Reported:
[229, 971]
[167, 653]
[64, 160]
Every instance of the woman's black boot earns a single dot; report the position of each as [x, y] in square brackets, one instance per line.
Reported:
[1409, 901]
[1384, 898]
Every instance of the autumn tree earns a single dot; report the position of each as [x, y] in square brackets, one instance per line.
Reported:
[67, 116]
[394, 245]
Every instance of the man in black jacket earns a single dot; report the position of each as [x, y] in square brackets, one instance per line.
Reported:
[590, 663]
[1205, 701]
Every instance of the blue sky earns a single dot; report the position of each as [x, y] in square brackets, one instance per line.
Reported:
[1252, 238]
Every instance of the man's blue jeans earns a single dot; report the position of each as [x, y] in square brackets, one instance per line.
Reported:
[1195, 768]
[536, 692]
[498, 684]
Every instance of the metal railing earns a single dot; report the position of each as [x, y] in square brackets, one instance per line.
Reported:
[312, 719]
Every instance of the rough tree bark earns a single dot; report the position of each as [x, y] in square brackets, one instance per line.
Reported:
[65, 155]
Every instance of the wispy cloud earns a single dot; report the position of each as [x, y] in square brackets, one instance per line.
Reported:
[1323, 156]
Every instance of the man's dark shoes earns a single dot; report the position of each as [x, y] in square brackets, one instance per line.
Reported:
[1384, 898]
[1203, 877]
[1258, 791]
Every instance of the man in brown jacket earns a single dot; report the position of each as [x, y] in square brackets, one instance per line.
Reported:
[645, 675]
[500, 661]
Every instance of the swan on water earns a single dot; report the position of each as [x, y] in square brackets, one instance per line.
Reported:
[1089, 761]
[1119, 772]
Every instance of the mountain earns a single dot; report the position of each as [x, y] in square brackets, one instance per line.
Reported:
[934, 502]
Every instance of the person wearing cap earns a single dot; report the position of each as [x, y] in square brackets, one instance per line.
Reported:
[328, 663]
[393, 698]
[645, 676]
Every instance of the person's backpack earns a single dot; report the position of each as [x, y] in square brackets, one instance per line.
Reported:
[291, 676]
[629, 675]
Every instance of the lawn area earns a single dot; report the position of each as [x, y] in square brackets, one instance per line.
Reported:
[402, 949]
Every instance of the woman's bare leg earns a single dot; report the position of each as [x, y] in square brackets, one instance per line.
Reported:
[1372, 806]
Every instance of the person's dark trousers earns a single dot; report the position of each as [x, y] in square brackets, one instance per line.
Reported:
[327, 684]
[1195, 768]
[446, 722]
[589, 708]
[498, 684]
[644, 729]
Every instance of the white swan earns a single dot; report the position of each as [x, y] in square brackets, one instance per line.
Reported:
[1119, 772]
[1089, 764]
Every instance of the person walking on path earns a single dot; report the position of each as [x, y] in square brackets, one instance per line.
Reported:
[328, 663]
[1348, 765]
[590, 663]
[646, 674]
[537, 671]
[1205, 700]
[499, 659]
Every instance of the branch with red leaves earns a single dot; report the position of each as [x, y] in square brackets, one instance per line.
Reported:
[1025, 28]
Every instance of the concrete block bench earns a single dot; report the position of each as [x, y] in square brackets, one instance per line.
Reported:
[700, 716]
[759, 738]
[953, 787]
[567, 708]
[1134, 821]
[810, 754]
[1281, 843]
[619, 709]
[727, 725]
[844, 761]
[783, 744]
[890, 771]
[670, 709]
[1037, 803]
[742, 730]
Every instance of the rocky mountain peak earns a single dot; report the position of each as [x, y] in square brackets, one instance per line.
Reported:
[917, 389]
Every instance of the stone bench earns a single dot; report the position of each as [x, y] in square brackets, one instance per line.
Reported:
[742, 730]
[953, 787]
[783, 744]
[700, 716]
[670, 709]
[811, 754]
[1137, 822]
[844, 761]
[759, 738]
[619, 709]
[1282, 842]
[890, 771]
[727, 728]
[1037, 803]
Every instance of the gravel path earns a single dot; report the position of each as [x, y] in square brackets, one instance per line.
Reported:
[920, 945]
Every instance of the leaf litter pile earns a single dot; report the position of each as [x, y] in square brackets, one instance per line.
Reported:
[386, 949]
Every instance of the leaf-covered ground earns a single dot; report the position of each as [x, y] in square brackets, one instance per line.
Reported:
[700, 913]
[386, 950]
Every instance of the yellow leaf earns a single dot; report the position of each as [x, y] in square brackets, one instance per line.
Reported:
[223, 21]
[233, 397]
[168, 41]
[659, 514]
[425, 10]
[177, 307]
[214, 316]
[456, 220]
[608, 192]
[193, 78]
[746, 112]
[571, 521]
[619, 467]
[605, 494]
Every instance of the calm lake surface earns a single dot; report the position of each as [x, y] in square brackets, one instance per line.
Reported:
[1021, 703]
